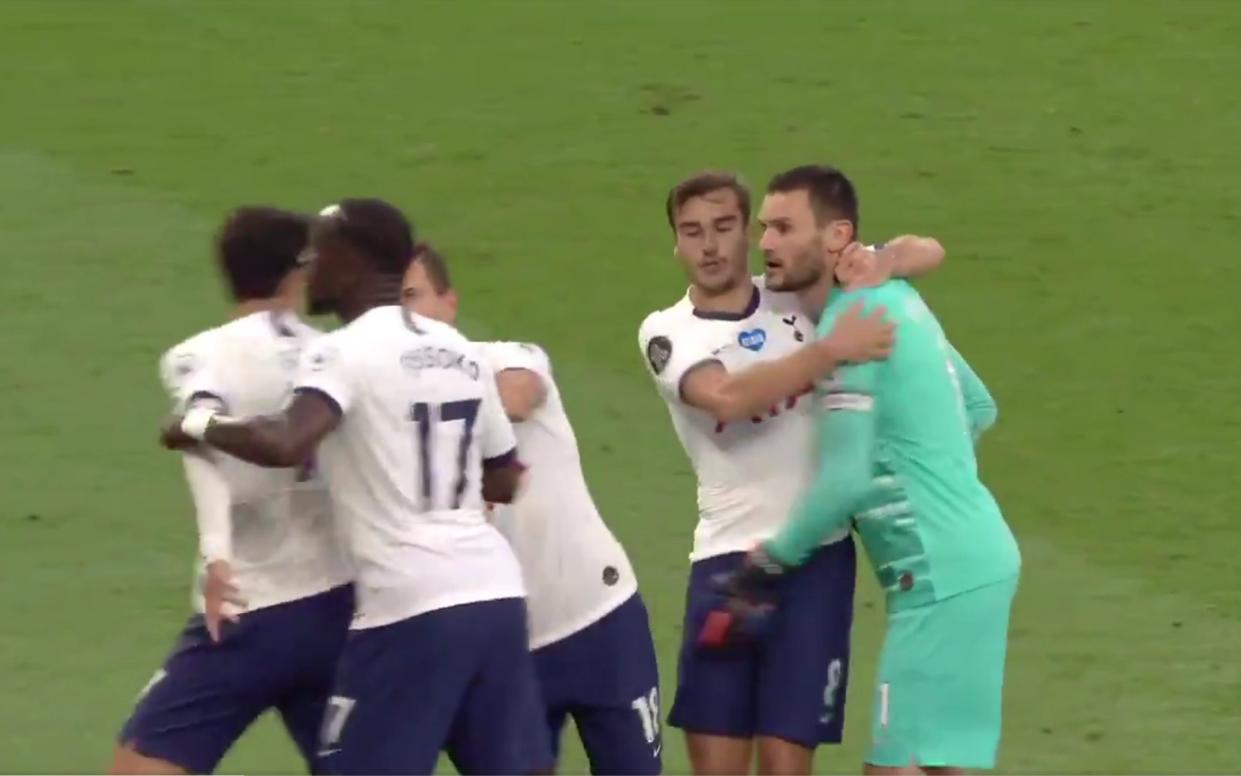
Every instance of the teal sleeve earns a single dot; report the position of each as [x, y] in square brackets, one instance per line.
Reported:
[846, 445]
[980, 409]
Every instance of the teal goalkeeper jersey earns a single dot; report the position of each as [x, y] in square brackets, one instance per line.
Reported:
[929, 525]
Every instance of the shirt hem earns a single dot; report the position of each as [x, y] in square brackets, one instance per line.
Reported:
[581, 624]
[364, 622]
[257, 603]
[931, 598]
[699, 554]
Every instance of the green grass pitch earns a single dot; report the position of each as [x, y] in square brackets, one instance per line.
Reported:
[1078, 159]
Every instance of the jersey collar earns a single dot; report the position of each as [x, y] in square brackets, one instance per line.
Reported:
[750, 307]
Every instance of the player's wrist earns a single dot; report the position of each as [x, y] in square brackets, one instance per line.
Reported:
[765, 560]
[887, 265]
[760, 572]
[197, 421]
[215, 558]
[215, 546]
[828, 352]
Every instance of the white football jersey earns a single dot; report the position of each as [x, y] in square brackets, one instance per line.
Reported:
[575, 570]
[420, 418]
[284, 542]
[750, 473]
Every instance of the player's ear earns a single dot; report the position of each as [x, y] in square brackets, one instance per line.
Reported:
[839, 235]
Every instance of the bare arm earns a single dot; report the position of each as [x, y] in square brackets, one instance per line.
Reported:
[284, 440]
[730, 397]
[501, 480]
[911, 256]
[521, 392]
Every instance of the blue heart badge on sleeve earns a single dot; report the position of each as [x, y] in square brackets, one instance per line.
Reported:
[754, 339]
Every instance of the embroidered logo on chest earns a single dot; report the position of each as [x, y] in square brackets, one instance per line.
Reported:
[791, 321]
[754, 339]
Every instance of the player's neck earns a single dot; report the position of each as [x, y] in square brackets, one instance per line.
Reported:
[377, 292]
[734, 300]
[252, 306]
[814, 298]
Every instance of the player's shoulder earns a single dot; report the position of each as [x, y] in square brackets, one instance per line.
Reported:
[391, 322]
[508, 354]
[445, 331]
[902, 306]
[292, 325]
[267, 326]
[324, 350]
[896, 295]
[201, 342]
[666, 320]
[179, 362]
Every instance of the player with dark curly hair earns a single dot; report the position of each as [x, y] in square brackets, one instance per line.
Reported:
[273, 600]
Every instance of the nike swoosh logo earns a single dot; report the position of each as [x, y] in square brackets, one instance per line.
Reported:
[328, 752]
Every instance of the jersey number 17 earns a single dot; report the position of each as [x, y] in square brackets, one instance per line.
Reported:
[428, 420]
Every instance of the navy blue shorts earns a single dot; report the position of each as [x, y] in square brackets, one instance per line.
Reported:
[792, 684]
[459, 680]
[605, 677]
[207, 694]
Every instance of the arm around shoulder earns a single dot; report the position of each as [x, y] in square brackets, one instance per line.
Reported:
[855, 336]
[914, 256]
[277, 441]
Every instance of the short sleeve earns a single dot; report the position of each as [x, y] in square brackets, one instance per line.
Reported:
[189, 376]
[518, 355]
[496, 438]
[670, 357]
[323, 370]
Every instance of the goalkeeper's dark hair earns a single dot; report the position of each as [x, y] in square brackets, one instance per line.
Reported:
[434, 265]
[830, 191]
[376, 229]
[257, 247]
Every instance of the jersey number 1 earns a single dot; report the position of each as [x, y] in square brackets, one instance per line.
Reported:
[426, 416]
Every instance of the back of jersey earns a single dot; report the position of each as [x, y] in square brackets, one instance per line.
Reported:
[575, 569]
[283, 543]
[420, 418]
[931, 527]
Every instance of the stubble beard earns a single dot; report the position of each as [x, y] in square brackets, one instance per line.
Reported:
[808, 274]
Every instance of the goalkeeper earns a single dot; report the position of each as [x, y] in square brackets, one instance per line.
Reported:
[896, 442]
